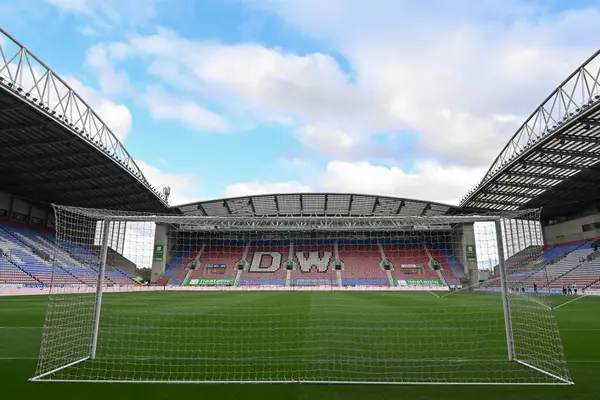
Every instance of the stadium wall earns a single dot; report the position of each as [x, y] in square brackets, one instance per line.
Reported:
[586, 227]
[13, 207]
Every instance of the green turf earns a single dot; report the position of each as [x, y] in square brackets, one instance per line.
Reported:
[291, 336]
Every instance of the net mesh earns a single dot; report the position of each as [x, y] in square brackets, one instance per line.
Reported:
[298, 299]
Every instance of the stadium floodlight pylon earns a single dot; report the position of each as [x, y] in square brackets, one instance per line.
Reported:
[311, 326]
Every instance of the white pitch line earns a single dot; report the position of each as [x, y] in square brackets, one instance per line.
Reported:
[21, 327]
[170, 358]
[570, 301]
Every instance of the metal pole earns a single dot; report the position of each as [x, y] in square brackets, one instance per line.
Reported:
[100, 288]
[505, 294]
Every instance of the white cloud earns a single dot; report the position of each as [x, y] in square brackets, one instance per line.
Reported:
[76, 6]
[429, 181]
[164, 106]
[448, 74]
[105, 15]
[185, 188]
[459, 81]
[264, 187]
[271, 85]
[336, 143]
[101, 59]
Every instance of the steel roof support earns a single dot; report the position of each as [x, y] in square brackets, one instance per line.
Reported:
[226, 205]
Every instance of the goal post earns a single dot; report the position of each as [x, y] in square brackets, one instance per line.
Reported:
[299, 299]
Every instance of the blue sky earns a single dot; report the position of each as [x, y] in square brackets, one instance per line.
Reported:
[232, 97]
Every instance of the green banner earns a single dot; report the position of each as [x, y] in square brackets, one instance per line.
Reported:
[209, 282]
[471, 253]
[419, 282]
[159, 252]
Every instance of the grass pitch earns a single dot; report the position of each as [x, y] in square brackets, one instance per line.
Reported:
[328, 336]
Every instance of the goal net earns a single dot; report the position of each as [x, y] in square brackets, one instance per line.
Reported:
[305, 299]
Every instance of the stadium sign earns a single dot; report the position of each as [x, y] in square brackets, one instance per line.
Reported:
[471, 252]
[419, 282]
[159, 252]
[209, 282]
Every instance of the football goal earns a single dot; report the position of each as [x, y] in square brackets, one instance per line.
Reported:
[299, 299]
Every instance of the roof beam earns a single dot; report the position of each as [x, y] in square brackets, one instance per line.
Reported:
[425, 209]
[251, 204]
[93, 164]
[84, 192]
[400, 206]
[15, 107]
[537, 175]
[545, 164]
[572, 178]
[325, 203]
[590, 121]
[60, 155]
[109, 201]
[523, 185]
[22, 127]
[498, 202]
[350, 204]
[301, 203]
[572, 153]
[276, 203]
[226, 205]
[202, 210]
[27, 143]
[508, 194]
[40, 182]
[375, 204]
[580, 139]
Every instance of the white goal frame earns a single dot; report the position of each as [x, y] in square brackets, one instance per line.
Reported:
[309, 223]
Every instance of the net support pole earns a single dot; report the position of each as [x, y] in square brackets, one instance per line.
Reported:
[510, 343]
[100, 288]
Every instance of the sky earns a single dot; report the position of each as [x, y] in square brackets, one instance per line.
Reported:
[235, 97]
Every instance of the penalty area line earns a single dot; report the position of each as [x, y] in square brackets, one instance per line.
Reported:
[568, 302]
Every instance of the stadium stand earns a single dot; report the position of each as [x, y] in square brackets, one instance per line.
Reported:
[10, 273]
[211, 256]
[32, 256]
[362, 266]
[264, 268]
[266, 265]
[408, 257]
[561, 264]
[26, 259]
[314, 266]
[453, 263]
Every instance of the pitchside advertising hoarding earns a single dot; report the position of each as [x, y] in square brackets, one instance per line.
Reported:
[209, 282]
[419, 282]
